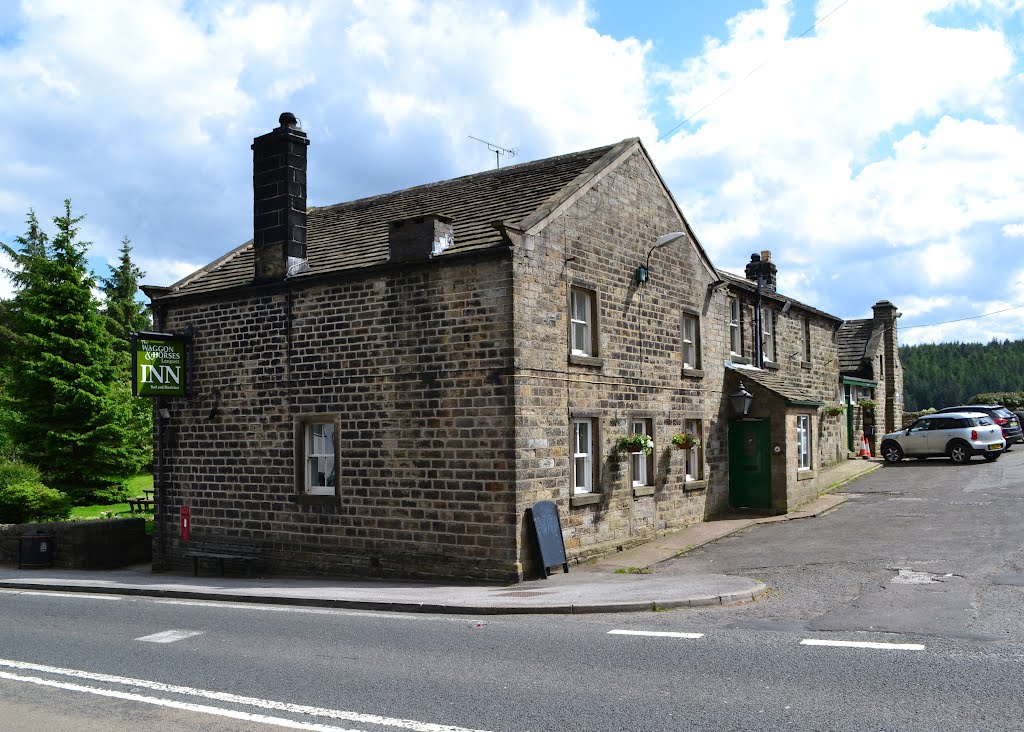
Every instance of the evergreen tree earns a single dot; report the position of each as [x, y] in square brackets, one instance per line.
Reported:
[72, 420]
[126, 315]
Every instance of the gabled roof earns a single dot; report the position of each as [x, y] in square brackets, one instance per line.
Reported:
[353, 235]
[852, 341]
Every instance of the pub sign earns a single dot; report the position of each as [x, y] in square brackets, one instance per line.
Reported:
[159, 364]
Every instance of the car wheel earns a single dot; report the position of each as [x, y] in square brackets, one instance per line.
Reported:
[959, 452]
[992, 456]
[892, 452]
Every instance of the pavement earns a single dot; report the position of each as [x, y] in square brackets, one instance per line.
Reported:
[621, 582]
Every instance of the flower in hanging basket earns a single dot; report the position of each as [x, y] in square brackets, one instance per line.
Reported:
[834, 410]
[636, 443]
[867, 404]
[685, 441]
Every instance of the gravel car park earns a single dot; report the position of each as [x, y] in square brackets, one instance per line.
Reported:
[956, 435]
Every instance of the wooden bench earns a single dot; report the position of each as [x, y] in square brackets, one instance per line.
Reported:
[231, 549]
[140, 503]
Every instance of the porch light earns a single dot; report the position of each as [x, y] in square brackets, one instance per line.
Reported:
[741, 400]
[643, 271]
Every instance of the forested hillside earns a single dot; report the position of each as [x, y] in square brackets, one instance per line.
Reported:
[947, 374]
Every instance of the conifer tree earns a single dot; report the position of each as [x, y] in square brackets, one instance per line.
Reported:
[71, 419]
[125, 315]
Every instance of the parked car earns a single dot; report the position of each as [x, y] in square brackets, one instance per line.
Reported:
[956, 435]
[1002, 416]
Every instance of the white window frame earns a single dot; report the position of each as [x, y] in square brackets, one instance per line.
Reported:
[641, 465]
[583, 455]
[735, 327]
[691, 341]
[582, 304]
[320, 450]
[695, 455]
[803, 442]
[767, 335]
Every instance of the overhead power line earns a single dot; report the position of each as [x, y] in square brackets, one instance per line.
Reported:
[959, 320]
[757, 68]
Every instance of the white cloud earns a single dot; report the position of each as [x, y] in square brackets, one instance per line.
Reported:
[1013, 231]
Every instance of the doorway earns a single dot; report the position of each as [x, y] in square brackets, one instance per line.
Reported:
[750, 475]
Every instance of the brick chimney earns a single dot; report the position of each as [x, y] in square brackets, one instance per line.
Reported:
[419, 237]
[760, 265]
[279, 201]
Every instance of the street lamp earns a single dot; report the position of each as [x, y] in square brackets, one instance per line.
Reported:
[643, 271]
[741, 400]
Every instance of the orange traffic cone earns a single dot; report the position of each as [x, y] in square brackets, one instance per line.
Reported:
[865, 449]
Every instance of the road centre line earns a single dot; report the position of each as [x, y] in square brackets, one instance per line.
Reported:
[220, 696]
[863, 644]
[656, 634]
[170, 636]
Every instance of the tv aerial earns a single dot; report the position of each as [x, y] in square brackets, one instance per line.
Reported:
[498, 150]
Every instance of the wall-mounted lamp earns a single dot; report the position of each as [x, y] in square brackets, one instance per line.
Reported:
[643, 271]
[741, 400]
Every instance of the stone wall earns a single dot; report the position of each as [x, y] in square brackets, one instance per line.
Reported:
[413, 365]
[83, 544]
[597, 243]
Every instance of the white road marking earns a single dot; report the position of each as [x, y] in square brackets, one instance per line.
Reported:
[655, 634]
[863, 644]
[169, 636]
[220, 696]
[63, 594]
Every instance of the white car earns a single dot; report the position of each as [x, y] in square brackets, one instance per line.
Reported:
[956, 435]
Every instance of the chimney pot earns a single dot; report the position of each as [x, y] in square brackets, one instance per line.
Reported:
[287, 119]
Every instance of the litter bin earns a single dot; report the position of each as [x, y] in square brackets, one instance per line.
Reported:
[35, 551]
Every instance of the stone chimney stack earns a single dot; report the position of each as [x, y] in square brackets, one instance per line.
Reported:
[279, 201]
[760, 265]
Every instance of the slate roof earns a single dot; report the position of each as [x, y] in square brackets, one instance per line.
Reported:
[743, 283]
[852, 342]
[353, 235]
[792, 393]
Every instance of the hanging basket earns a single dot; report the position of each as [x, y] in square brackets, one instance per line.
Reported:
[635, 444]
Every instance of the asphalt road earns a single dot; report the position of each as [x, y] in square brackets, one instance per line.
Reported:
[926, 561]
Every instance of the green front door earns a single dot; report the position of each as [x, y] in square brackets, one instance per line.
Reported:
[750, 476]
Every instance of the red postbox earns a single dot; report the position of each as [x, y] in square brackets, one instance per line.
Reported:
[186, 522]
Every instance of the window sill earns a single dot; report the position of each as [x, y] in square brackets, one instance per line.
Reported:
[695, 485]
[738, 359]
[693, 373]
[805, 365]
[771, 365]
[592, 361]
[315, 499]
[643, 490]
[584, 499]
[806, 474]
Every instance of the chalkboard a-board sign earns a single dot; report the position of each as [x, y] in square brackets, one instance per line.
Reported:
[547, 532]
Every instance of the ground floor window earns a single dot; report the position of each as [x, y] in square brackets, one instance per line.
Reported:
[583, 455]
[318, 451]
[642, 465]
[695, 455]
[803, 441]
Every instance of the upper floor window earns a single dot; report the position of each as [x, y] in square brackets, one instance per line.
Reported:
[735, 339]
[691, 341]
[767, 335]
[582, 331]
[805, 345]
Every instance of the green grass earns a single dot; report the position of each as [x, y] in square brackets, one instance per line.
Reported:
[136, 485]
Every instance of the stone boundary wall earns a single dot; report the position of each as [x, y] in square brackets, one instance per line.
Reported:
[84, 544]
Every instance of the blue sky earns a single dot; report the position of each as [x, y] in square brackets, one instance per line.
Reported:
[877, 157]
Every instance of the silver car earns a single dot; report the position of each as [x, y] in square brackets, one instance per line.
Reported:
[956, 435]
